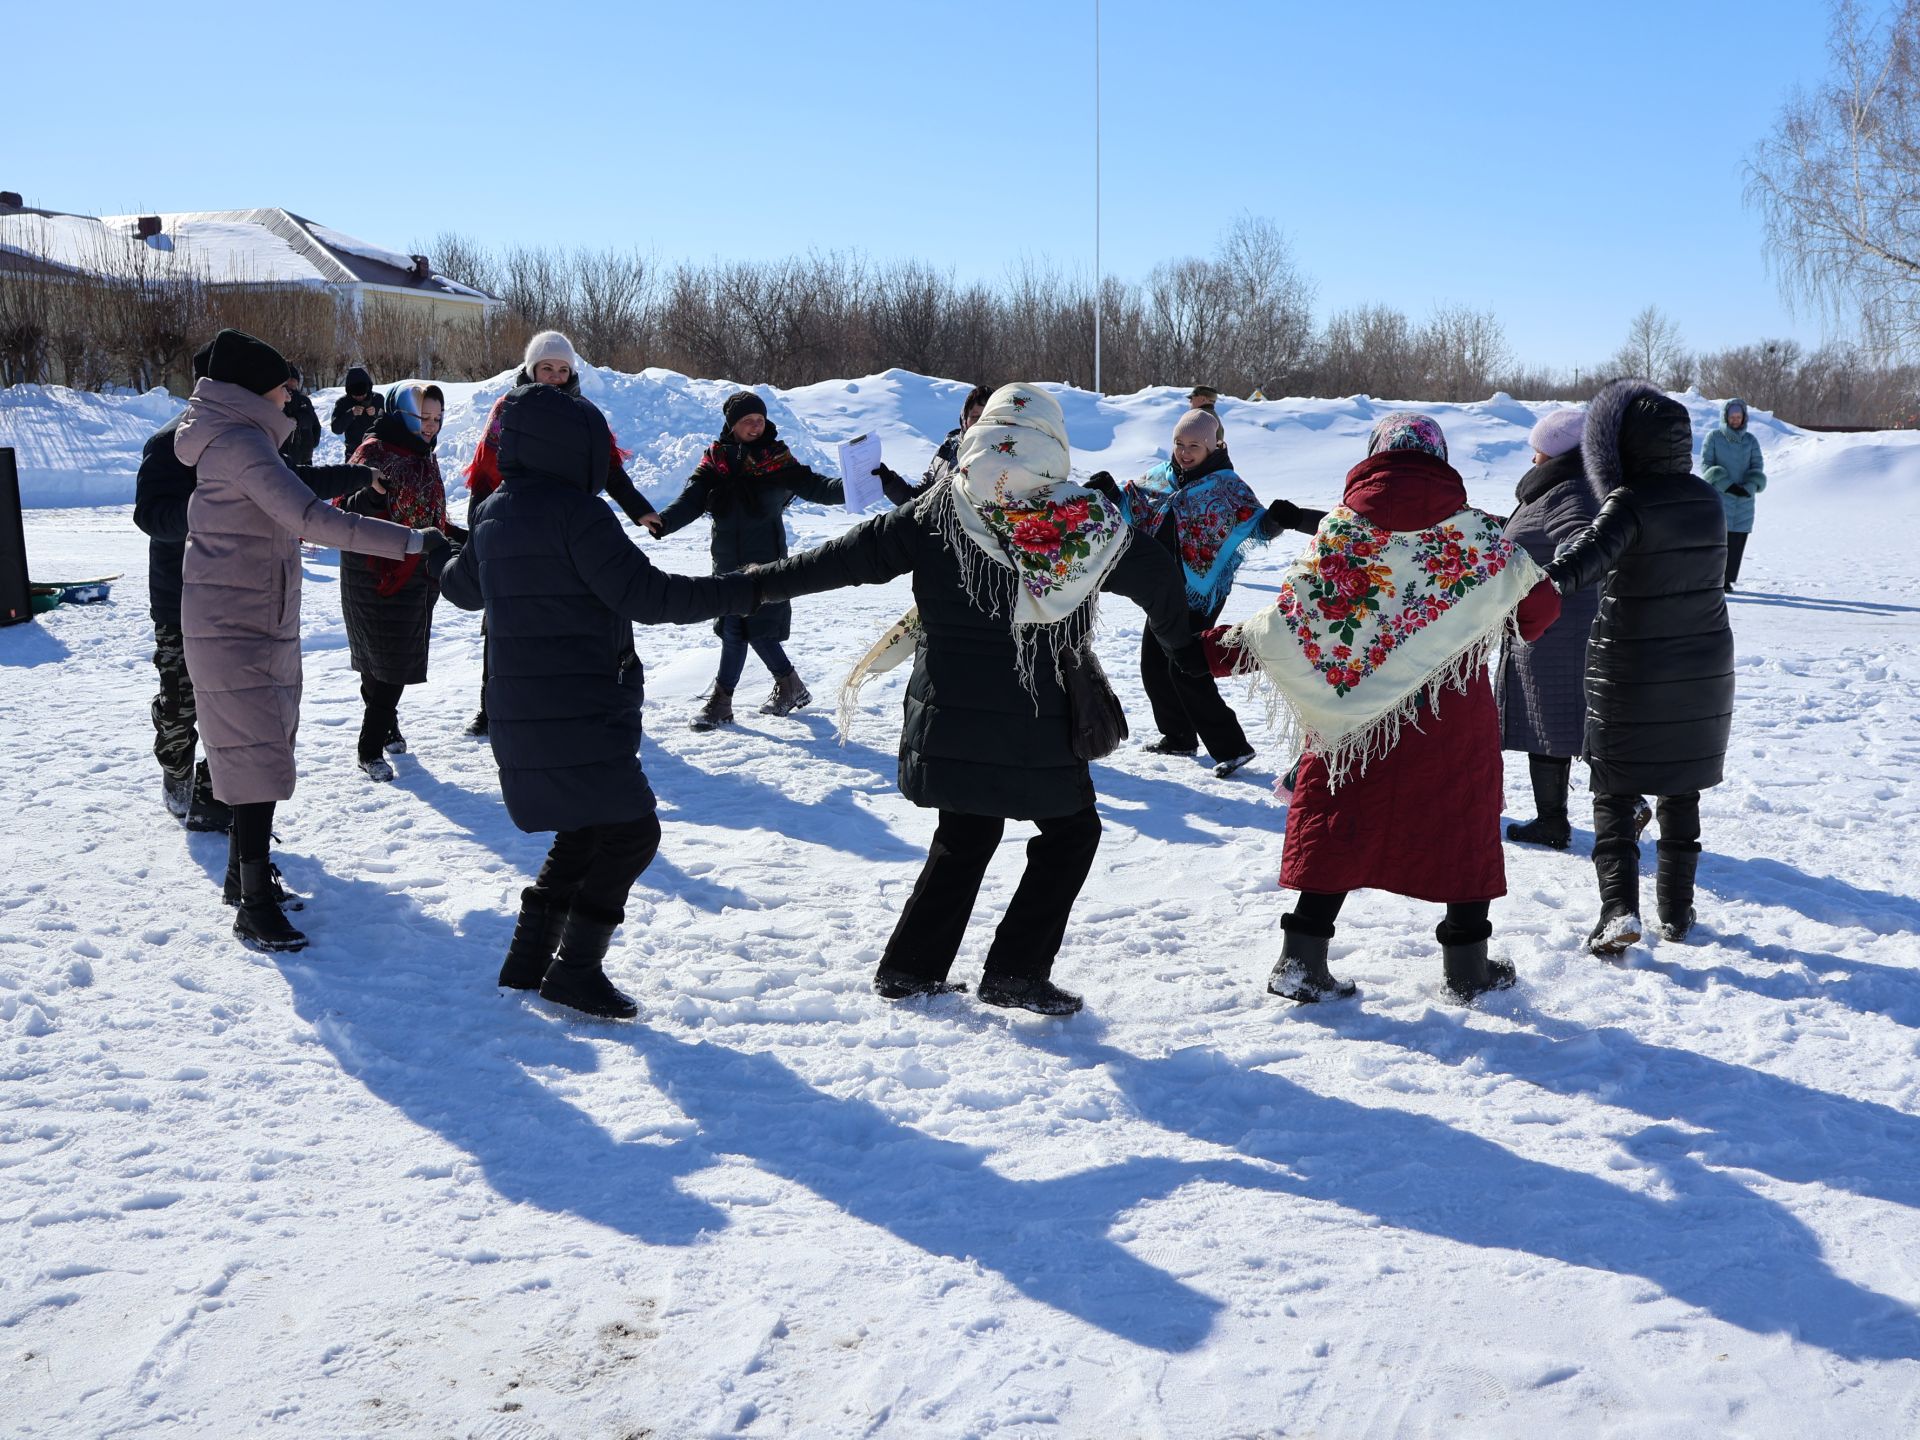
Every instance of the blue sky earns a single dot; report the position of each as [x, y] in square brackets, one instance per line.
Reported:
[1562, 165]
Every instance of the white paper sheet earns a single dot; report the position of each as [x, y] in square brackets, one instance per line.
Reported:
[858, 456]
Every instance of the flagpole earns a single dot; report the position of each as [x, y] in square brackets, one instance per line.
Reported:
[1096, 198]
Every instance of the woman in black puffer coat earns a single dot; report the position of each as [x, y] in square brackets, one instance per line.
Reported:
[745, 481]
[1542, 686]
[988, 735]
[1660, 658]
[562, 586]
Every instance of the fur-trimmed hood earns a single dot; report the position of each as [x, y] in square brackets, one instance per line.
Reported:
[1633, 429]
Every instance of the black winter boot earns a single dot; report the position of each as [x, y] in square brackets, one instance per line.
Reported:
[1301, 973]
[1551, 827]
[258, 923]
[1018, 992]
[892, 984]
[1470, 973]
[1619, 923]
[1673, 887]
[575, 978]
[536, 935]
[716, 712]
[477, 727]
[189, 797]
[233, 892]
[789, 694]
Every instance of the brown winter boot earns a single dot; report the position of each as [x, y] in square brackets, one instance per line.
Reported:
[716, 712]
[789, 694]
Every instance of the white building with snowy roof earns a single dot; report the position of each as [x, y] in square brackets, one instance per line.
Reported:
[257, 248]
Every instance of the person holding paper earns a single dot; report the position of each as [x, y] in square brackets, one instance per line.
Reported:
[745, 481]
[902, 491]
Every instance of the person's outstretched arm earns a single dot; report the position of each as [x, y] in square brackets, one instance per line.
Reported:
[688, 506]
[1589, 555]
[628, 583]
[265, 480]
[871, 553]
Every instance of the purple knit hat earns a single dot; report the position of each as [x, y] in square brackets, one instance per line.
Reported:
[1407, 430]
[1558, 431]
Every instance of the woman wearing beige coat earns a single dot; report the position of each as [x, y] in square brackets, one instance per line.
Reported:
[240, 603]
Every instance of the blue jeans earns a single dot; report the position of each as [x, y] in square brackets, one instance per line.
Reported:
[733, 653]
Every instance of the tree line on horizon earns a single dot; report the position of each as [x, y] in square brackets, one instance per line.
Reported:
[1837, 185]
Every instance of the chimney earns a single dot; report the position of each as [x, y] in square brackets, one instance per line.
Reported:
[147, 227]
[12, 198]
[422, 269]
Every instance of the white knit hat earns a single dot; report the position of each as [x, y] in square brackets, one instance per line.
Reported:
[1558, 431]
[550, 345]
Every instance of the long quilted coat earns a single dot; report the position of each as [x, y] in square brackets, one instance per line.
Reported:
[1543, 686]
[1423, 819]
[562, 587]
[240, 592]
[388, 607]
[1660, 682]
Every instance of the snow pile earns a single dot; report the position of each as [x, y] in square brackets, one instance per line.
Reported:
[355, 1191]
[76, 447]
[1298, 447]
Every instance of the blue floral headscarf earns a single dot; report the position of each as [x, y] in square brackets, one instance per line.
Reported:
[1407, 430]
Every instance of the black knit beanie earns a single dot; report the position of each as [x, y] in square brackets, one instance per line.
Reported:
[201, 359]
[741, 403]
[239, 359]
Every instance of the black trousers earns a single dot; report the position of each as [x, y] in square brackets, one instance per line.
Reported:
[927, 937]
[1616, 831]
[592, 869]
[1736, 550]
[1314, 914]
[1189, 709]
[381, 717]
[174, 719]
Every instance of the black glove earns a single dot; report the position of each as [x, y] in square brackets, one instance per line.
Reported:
[894, 485]
[1283, 515]
[1556, 574]
[436, 552]
[456, 534]
[1191, 658]
[1103, 482]
[1741, 491]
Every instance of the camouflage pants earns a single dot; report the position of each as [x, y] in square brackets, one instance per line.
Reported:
[174, 736]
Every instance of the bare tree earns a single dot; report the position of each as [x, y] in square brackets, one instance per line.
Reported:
[1654, 351]
[1837, 183]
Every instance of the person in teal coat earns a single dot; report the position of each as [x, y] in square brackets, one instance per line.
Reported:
[1730, 461]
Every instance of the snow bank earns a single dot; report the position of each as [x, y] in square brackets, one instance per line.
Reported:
[77, 448]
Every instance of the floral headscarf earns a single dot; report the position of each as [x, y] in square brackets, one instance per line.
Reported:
[1017, 508]
[1407, 430]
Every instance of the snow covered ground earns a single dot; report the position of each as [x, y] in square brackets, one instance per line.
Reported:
[358, 1192]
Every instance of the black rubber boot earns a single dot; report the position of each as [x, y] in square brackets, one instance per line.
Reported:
[575, 978]
[891, 984]
[536, 936]
[258, 923]
[1619, 923]
[1470, 973]
[1673, 887]
[1018, 992]
[1550, 827]
[1301, 973]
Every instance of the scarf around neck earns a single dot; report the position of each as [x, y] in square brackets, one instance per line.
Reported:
[1031, 545]
[1045, 543]
[1216, 519]
[1371, 622]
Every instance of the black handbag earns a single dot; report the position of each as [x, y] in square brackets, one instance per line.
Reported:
[1098, 722]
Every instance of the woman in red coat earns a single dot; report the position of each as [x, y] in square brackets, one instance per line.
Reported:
[1379, 644]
